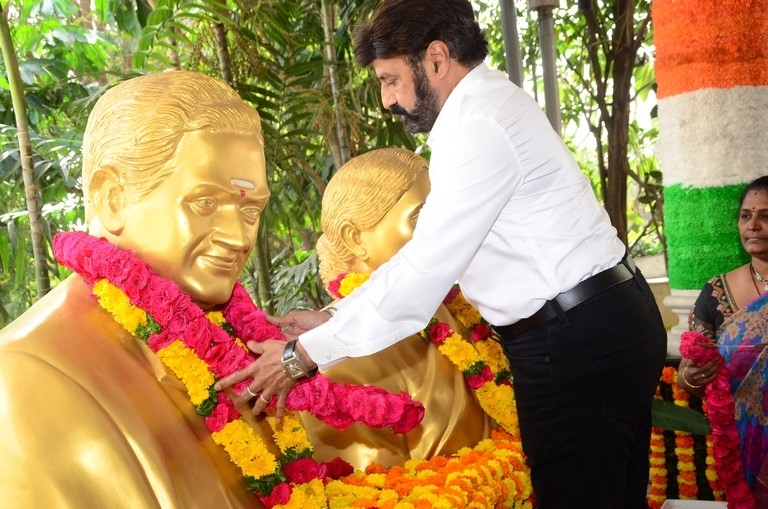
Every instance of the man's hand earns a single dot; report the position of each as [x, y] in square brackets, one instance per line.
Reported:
[297, 322]
[269, 379]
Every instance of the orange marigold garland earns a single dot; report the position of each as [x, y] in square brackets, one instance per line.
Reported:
[682, 464]
[493, 473]
[657, 492]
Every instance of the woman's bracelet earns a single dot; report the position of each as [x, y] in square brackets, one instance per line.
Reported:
[685, 379]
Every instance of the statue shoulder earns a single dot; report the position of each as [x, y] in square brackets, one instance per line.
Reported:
[68, 308]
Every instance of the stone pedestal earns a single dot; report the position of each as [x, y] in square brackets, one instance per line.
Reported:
[680, 303]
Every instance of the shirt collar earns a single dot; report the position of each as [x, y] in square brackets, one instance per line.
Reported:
[450, 108]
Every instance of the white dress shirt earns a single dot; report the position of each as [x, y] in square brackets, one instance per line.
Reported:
[510, 216]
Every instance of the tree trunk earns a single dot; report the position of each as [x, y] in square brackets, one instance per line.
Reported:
[34, 206]
[340, 145]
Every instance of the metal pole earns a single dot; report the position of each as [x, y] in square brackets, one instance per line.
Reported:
[511, 42]
[548, 58]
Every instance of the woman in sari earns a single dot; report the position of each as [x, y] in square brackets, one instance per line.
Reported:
[731, 312]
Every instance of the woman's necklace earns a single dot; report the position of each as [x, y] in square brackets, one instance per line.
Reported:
[759, 278]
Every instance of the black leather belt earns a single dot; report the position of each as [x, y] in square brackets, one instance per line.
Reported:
[587, 289]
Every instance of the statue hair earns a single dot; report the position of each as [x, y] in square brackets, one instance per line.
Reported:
[362, 192]
[136, 126]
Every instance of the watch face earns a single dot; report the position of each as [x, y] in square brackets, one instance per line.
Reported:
[293, 368]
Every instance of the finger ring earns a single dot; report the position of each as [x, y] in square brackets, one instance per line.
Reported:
[248, 388]
[262, 398]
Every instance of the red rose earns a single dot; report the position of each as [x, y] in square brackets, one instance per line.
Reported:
[137, 280]
[413, 415]
[162, 297]
[300, 397]
[159, 340]
[476, 381]
[117, 268]
[439, 332]
[231, 362]
[178, 323]
[198, 335]
[332, 409]
[304, 470]
[214, 354]
[368, 407]
[223, 413]
[452, 293]
[281, 494]
[337, 468]
[335, 285]
[480, 332]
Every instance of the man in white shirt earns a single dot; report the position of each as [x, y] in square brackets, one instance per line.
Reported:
[513, 219]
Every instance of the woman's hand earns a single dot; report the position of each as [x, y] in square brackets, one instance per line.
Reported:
[693, 378]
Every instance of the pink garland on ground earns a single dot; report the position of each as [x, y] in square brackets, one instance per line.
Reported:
[721, 412]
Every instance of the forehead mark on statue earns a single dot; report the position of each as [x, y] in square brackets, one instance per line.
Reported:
[243, 184]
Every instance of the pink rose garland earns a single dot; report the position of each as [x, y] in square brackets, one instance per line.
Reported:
[720, 411]
[95, 258]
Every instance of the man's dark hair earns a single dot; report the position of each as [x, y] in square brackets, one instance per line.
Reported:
[405, 28]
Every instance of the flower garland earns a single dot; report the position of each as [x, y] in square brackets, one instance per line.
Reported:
[199, 348]
[711, 471]
[483, 363]
[690, 460]
[492, 474]
[720, 411]
[686, 470]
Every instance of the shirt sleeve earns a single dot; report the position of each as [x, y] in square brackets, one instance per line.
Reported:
[471, 182]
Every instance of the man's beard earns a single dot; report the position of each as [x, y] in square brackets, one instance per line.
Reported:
[426, 107]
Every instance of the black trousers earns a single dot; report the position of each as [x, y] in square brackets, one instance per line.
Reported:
[584, 383]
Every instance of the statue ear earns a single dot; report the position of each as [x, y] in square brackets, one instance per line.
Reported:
[350, 234]
[107, 195]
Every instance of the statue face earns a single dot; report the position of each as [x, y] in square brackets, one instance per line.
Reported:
[199, 226]
[396, 228]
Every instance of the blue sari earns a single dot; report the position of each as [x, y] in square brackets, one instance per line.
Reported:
[741, 341]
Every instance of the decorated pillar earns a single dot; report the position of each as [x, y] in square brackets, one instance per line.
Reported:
[712, 76]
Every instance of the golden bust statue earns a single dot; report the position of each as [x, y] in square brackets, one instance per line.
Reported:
[173, 170]
[369, 210]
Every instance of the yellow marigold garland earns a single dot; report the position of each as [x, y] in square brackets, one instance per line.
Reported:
[687, 481]
[492, 474]
[494, 470]
[246, 449]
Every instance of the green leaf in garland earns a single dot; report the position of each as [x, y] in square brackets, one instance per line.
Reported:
[145, 330]
[667, 415]
[228, 328]
[264, 484]
[475, 369]
[206, 407]
[503, 376]
[291, 454]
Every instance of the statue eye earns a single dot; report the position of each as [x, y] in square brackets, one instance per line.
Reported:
[251, 213]
[205, 205]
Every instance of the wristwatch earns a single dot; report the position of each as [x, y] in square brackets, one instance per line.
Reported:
[292, 364]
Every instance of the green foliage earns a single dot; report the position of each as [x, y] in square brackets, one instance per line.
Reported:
[273, 53]
[667, 415]
[588, 104]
